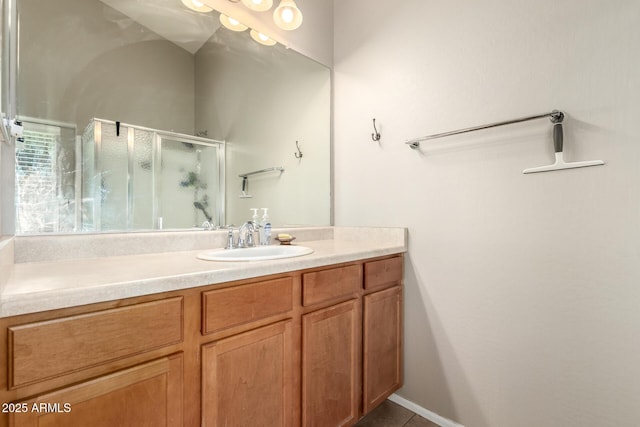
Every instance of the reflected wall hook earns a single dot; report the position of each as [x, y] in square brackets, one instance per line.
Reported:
[299, 153]
[376, 135]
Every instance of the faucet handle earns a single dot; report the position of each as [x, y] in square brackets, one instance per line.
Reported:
[230, 243]
[250, 242]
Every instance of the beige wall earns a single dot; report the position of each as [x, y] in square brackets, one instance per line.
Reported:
[522, 291]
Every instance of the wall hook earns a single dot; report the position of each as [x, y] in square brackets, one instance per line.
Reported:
[375, 136]
[299, 153]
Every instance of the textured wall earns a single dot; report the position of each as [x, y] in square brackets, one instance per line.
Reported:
[521, 290]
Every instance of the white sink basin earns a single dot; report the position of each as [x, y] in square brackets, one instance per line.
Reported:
[259, 253]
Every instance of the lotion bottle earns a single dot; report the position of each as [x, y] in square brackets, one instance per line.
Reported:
[265, 228]
[254, 218]
[256, 225]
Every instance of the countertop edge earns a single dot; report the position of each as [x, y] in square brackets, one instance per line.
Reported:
[13, 304]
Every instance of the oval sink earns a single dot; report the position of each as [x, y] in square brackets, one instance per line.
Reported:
[259, 253]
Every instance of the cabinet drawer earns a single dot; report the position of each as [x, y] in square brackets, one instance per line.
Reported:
[235, 306]
[383, 272]
[42, 350]
[144, 395]
[326, 285]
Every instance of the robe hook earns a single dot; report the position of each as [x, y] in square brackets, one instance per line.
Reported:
[299, 153]
[376, 135]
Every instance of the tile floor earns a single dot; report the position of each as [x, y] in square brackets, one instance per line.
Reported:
[390, 414]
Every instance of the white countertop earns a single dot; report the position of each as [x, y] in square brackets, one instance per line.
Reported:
[53, 284]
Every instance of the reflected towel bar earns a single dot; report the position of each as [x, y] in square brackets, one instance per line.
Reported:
[277, 168]
[245, 179]
[556, 116]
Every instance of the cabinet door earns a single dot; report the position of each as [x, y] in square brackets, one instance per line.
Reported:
[247, 379]
[145, 395]
[330, 365]
[382, 343]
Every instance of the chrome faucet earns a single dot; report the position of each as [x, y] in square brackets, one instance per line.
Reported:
[208, 226]
[230, 243]
[245, 235]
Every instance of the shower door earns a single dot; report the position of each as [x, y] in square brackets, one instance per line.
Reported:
[137, 178]
[190, 183]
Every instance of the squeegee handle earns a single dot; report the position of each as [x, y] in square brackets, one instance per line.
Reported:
[557, 137]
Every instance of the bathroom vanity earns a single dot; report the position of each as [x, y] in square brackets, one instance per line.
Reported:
[316, 344]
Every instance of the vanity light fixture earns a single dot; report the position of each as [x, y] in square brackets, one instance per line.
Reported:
[235, 25]
[197, 5]
[231, 23]
[262, 39]
[287, 15]
[258, 5]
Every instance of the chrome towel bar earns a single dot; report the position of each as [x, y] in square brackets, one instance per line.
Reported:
[556, 116]
[277, 168]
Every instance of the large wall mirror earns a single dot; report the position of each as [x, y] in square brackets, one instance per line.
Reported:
[145, 115]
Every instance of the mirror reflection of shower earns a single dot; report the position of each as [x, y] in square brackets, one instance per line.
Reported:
[195, 181]
[156, 179]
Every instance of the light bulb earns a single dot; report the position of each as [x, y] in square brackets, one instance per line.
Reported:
[197, 5]
[232, 23]
[287, 15]
[262, 39]
[258, 5]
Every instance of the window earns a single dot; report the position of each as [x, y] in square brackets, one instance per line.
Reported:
[36, 183]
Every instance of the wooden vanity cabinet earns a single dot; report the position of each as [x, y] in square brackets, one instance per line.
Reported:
[249, 377]
[382, 346]
[113, 366]
[330, 365]
[144, 395]
[351, 340]
[382, 331]
[320, 347]
[249, 371]
[331, 339]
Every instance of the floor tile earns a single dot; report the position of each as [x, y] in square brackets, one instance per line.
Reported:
[388, 414]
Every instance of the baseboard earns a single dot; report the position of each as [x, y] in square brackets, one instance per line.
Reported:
[424, 413]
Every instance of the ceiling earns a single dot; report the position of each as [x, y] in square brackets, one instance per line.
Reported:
[171, 20]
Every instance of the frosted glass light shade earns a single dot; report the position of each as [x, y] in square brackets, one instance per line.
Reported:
[287, 15]
[258, 5]
[197, 5]
[262, 39]
[231, 23]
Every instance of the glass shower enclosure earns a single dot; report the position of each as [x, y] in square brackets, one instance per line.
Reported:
[115, 177]
[136, 178]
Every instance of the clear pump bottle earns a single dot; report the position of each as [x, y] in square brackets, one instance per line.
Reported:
[265, 228]
[255, 218]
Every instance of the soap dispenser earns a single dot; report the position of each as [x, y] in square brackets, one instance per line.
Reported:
[254, 218]
[265, 228]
